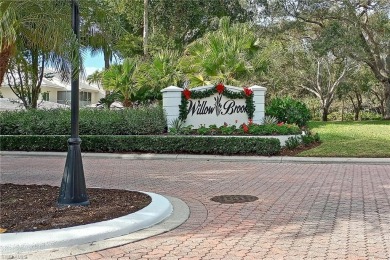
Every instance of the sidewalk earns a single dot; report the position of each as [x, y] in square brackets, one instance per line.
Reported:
[323, 209]
[263, 159]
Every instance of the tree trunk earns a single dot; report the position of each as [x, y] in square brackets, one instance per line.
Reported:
[357, 112]
[146, 27]
[5, 55]
[382, 108]
[107, 56]
[387, 99]
[35, 87]
[126, 102]
[356, 106]
[325, 112]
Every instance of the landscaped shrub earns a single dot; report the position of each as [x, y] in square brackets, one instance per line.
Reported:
[304, 139]
[269, 120]
[309, 138]
[140, 121]
[293, 142]
[56, 121]
[142, 143]
[288, 110]
[244, 129]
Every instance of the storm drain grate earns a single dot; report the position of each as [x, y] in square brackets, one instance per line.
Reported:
[230, 199]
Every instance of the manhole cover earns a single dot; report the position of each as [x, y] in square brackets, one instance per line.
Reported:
[230, 199]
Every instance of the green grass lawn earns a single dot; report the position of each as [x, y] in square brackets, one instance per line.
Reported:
[351, 139]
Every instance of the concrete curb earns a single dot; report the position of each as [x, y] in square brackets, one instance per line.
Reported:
[179, 215]
[159, 209]
[261, 159]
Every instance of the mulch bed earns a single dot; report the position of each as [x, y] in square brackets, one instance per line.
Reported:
[34, 207]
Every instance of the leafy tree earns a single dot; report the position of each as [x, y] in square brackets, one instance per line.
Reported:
[379, 93]
[196, 17]
[173, 24]
[322, 76]
[356, 88]
[358, 29]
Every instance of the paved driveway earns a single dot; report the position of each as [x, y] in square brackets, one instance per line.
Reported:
[304, 211]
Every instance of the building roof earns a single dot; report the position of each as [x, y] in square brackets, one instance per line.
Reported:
[53, 80]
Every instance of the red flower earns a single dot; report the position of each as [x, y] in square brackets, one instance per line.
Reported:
[245, 128]
[187, 93]
[220, 88]
[248, 92]
[280, 124]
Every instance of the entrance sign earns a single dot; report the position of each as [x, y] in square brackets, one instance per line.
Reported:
[214, 105]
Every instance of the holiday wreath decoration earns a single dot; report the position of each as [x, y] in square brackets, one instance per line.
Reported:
[246, 94]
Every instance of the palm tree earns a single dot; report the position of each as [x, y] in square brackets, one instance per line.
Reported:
[227, 55]
[101, 29]
[121, 78]
[158, 72]
[34, 34]
[95, 78]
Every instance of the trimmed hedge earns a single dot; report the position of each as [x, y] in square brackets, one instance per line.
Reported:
[149, 144]
[140, 121]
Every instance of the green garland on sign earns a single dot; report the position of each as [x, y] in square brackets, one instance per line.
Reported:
[245, 94]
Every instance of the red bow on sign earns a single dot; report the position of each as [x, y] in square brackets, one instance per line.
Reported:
[248, 92]
[220, 88]
[187, 93]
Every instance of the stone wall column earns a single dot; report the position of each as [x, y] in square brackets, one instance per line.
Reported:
[171, 101]
[259, 101]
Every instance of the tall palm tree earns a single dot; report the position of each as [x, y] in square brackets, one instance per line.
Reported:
[121, 78]
[101, 28]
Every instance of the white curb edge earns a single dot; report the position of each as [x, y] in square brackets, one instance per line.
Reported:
[159, 209]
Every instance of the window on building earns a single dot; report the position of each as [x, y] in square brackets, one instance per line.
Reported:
[64, 97]
[85, 98]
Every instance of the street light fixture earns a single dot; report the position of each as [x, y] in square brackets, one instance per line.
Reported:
[73, 190]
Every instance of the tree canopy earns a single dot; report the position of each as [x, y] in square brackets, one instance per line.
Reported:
[300, 48]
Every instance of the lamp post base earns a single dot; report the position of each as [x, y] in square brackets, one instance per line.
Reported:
[73, 189]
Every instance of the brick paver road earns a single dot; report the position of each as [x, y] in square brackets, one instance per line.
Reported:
[304, 211]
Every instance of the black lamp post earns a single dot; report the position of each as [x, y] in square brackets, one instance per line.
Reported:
[73, 189]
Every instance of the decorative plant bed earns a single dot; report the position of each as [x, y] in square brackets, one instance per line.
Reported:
[281, 138]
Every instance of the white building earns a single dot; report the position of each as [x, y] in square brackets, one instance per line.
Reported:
[55, 90]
